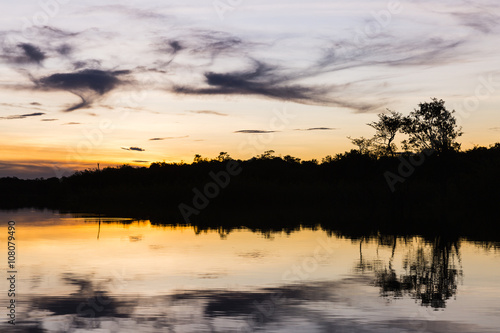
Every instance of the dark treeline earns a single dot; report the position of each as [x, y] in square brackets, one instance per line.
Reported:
[355, 193]
[431, 188]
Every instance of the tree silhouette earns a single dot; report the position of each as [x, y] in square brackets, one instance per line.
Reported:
[432, 126]
[387, 127]
[364, 145]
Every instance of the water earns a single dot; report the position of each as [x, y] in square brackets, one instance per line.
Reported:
[121, 275]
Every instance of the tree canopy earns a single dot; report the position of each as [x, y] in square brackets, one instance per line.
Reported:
[431, 126]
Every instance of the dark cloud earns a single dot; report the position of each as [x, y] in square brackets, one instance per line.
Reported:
[52, 119]
[72, 123]
[170, 46]
[64, 49]
[254, 131]
[35, 103]
[215, 113]
[317, 129]
[96, 80]
[33, 53]
[279, 83]
[263, 80]
[140, 161]
[23, 116]
[169, 138]
[133, 149]
[23, 53]
[87, 84]
[175, 45]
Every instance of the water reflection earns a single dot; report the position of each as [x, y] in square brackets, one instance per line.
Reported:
[432, 270]
[139, 277]
[335, 306]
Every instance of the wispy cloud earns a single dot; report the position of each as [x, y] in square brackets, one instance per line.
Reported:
[72, 123]
[140, 161]
[133, 149]
[262, 80]
[317, 129]
[132, 12]
[254, 131]
[169, 138]
[185, 49]
[50, 119]
[87, 84]
[214, 113]
[483, 21]
[23, 116]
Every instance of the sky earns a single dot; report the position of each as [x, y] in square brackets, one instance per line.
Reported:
[135, 82]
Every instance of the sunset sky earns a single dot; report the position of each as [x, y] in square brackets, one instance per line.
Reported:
[87, 82]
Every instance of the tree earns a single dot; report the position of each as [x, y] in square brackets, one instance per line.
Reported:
[291, 159]
[387, 127]
[198, 159]
[364, 144]
[432, 126]
[267, 155]
[223, 156]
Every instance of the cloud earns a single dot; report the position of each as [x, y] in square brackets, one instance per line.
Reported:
[254, 131]
[186, 50]
[169, 138]
[215, 43]
[23, 53]
[55, 43]
[64, 49]
[88, 64]
[483, 21]
[495, 129]
[170, 46]
[134, 12]
[262, 80]
[71, 123]
[175, 46]
[277, 83]
[140, 161]
[316, 129]
[133, 149]
[87, 84]
[23, 116]
[20, 106]
[51, 119]
[32, 53]
[35, 103]
[215, 113]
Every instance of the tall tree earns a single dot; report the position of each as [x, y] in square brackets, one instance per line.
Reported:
[432, 126]
[386, 129]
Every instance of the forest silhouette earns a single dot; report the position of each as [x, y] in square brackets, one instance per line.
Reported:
[430, 188]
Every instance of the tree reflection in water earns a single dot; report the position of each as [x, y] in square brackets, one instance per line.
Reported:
[432, 270]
